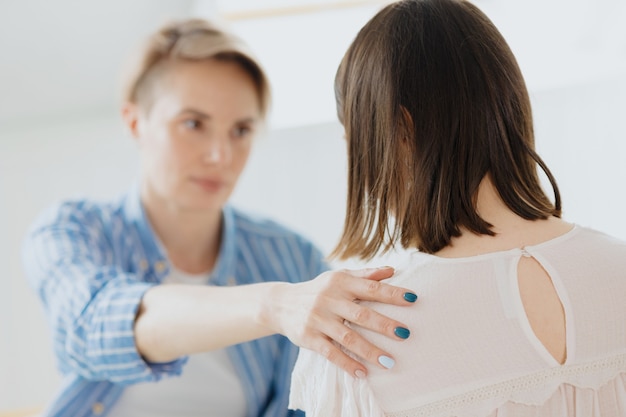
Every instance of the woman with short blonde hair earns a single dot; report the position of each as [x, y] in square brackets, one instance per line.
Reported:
[169, 301]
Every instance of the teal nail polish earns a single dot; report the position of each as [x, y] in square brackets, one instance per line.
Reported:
[410, 297]
[402, 332]
[386, 361]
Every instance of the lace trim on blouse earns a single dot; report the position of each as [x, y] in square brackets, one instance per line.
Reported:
[524, 390]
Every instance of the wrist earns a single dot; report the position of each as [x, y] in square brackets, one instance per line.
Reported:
[271, 305]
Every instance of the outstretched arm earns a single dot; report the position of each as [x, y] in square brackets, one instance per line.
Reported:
[175, 320]
[108, 324]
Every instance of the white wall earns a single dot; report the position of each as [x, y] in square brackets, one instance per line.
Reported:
[64, 56]
[581, 136]
[38, 166]
[297, 174]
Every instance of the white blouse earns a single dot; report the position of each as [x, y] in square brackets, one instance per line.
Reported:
[472, 351]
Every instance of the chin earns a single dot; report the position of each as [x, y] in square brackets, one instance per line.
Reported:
[195, 199]
[205, 203]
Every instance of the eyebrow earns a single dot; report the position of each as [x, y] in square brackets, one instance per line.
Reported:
[195, 112]
[206, 116]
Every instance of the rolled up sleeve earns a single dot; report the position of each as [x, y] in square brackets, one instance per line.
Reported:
[90, 302]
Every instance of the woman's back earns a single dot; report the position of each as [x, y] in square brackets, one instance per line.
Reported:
[441, 157]
[473, 350]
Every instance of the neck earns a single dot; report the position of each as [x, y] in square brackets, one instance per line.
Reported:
[511, 230]
[191, 238]
[492, 209]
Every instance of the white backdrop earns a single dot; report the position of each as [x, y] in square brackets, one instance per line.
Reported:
[297, 172]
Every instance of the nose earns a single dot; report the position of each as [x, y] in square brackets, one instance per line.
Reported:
[217, 151]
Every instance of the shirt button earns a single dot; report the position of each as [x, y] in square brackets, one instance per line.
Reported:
[143, 264]
[231, 281]
[97, 408]
[159, 266]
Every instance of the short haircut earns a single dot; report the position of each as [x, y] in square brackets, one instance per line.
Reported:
[432, 100]
[188, 40]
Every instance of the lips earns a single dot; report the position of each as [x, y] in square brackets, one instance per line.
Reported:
[211, 185]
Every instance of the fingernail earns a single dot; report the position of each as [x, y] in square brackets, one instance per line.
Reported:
[385, 267]
[359, 374]
[386, 361]
[402, 332]
[410, 297]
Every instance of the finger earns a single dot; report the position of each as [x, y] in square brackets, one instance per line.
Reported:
[369, 290]
[353, 342]
[372, 320]
[337, 356]
[375, 274]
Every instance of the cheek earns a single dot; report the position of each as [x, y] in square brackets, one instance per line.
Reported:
[176, 146]
[240, 156]
[163, 154]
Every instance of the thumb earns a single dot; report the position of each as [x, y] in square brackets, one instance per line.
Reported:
[375, 274]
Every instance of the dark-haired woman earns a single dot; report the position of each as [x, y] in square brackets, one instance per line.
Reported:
[521, 313]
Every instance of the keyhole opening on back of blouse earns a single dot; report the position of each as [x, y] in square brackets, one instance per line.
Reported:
[543, 307]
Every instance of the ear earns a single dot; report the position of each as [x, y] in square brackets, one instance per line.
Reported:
[130, 115]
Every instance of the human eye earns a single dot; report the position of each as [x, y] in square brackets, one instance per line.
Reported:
[242, 131]
[192, 124]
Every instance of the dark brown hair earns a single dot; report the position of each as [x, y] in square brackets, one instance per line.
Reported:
[432, 100]
[190, 40]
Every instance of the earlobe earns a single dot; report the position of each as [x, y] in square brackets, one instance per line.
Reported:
[130, 115]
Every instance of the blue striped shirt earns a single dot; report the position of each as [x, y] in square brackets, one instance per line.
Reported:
[91, 263]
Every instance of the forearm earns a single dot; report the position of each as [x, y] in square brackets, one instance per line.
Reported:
[177, 320]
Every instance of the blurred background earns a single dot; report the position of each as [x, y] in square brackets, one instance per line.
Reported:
[61, 135]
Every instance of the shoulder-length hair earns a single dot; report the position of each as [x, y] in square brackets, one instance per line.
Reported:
[432, 101]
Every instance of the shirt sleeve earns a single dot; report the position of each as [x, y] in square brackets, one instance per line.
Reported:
[89, 302]
[321, 389]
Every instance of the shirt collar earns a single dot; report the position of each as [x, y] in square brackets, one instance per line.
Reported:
[156, 259]
[224, 270]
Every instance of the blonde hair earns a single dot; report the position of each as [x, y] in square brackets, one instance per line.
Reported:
[188, 40]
